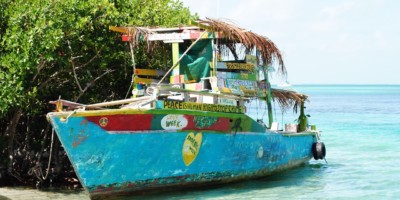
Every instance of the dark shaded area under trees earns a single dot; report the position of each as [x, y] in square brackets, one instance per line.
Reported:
[52, 48]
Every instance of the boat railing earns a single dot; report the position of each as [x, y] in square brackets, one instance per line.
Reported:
[162, 92]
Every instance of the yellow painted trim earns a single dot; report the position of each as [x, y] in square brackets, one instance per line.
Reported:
[89, 113]
[175, 58]
[225, 90]
[147, 72]
[119, 29]
[144, 80]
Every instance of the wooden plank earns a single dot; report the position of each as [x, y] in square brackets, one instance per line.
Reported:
[184, 35]
[119, 29]
[235, 66]
[240, 76]
[60, 103]
[150, 72]
[145, 80]
[226, 93]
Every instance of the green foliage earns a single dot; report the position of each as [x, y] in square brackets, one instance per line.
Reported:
[44, 40]
[50, 48]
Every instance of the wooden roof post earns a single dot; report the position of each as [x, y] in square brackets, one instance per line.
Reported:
[175, 58]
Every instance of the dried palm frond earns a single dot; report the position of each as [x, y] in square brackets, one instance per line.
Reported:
[138, 35]
[234, 34]
[231, 35]
[288, 98]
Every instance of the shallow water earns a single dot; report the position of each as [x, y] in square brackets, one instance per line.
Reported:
[361, 129]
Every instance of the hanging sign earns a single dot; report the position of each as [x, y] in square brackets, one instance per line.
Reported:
[203, 107]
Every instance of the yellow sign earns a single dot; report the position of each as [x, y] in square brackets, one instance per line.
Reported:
[191, 147]
[203, 107]
[240, 66]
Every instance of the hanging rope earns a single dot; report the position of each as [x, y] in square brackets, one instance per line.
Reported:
[37, 169]
[134, 68]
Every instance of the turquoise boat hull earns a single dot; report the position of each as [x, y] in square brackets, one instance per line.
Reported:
[123, 151]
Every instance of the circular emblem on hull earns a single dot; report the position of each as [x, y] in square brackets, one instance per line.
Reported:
[103, 121]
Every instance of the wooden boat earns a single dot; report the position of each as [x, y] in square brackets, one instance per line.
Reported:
[192, 129]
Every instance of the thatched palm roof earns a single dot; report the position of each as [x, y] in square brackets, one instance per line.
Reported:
[231, 35]
[288, 98]
[269, 52]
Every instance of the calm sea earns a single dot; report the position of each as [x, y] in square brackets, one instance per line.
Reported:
[361, 129]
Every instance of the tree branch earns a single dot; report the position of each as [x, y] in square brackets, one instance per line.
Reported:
[91, 83]
[73, 66]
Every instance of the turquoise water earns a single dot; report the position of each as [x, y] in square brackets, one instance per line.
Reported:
[361, 129]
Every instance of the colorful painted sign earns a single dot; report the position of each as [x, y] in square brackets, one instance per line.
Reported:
[204, 121]
[235, 66]
[137, 123]
[227, 101]
[191, 147]
[203, 107]
[236, 81]
[236, 84]
[174, 122]
[234, 75]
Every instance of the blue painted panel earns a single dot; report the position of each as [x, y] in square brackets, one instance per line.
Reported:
[101, 158]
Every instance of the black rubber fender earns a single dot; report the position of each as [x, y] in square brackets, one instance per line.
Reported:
[318, 150]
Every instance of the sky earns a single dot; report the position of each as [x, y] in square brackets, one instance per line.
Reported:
[323, 42]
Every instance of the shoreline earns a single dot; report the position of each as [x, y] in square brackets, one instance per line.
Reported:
[28, 193]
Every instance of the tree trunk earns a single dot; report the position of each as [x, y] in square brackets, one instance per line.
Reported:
[11, 131]
[56, 156]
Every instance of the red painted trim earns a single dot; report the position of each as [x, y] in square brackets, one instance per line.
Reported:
[123, 122]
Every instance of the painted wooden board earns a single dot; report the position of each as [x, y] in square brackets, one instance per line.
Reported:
[236, 75]
[200, 106]
[235, 66]
[150, 72]
[184, 35]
